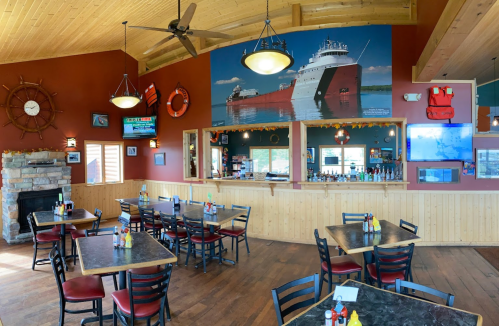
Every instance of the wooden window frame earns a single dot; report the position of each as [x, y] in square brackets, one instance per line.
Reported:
[186, 151]
[103, 163]
[270, 148]
[342, 154]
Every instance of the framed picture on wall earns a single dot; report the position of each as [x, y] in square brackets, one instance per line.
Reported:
[100, 120]
[487, 163]
[375, 155]
[73, 157]
[225, 139]
[131, 151]
[310, 155]
[159, 158]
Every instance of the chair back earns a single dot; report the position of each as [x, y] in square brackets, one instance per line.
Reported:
[221, 206]
[278, 302]
[399, 284]
[347, 219]
[147, 216]
[193, 202]
[161, 198]
[32, 226]
[244, 218]
[194, 227]
[408, 226]
[323, 249]
[96, 223]
[98, 232]
[391, 260]
[148, 288]
[58, 269]
[125, 207]
[169, 223]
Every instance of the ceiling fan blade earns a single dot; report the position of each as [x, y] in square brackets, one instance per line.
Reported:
[152, 28]
[188, 45]
[163, 41]
[186, 18]
[208, 34]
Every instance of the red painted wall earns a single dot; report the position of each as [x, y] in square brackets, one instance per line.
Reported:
[194, 76]
[83, 84]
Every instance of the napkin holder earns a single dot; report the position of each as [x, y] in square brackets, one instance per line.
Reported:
[176, 206]
[69, 206]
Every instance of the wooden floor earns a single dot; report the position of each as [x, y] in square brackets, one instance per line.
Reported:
[239, 295]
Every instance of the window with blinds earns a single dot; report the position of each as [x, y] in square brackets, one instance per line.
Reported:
[104, 162]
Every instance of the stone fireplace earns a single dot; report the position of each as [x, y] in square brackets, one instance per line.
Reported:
[31, 176]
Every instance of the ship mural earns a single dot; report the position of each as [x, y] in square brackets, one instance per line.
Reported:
[343, 77]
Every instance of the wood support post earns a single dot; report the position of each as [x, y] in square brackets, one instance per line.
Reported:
[142, 67]
[295, 15]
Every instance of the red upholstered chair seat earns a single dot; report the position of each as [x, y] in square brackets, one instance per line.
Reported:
[157, 225]
[84, 288]
[232, 231]
[145, 271]
[215, 228]
[390, 260]
[69, 228]
[48, 237]
[181, 233]
[135, 219]
[207, 238]
[122, 299]
[386, 277]
[79, 234]
[342, 265]
[180, 223]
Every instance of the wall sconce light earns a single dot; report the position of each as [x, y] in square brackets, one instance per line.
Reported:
[495, 123]
[245, 135]
[392, 133]
[71, 142]
[153, 143]
[340, 133]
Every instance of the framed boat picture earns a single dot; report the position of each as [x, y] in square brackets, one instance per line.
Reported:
[100, 120]
[487, 163]
[159, 158]
[310, 155]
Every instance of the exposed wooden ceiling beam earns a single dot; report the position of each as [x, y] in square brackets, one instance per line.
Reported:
[457, 21]
[296, 15]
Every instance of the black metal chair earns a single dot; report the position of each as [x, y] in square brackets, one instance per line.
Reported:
[235, 231]
[402, 286]
[149, 223]
[81, 234]
[408, 226]
[172, 233]
[100, 232]
[76, 290]
[134, 218]
[193, 202]
[161, 198]
[278, 302]
[42, 238]
[196, 234]
[339, 265]
[145, 298]
[390, 264]
[347, 219]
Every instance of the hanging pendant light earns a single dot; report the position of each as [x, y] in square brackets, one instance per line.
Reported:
[126, 100]
[273, 56]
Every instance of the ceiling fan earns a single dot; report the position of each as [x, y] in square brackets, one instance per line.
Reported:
[180, 28]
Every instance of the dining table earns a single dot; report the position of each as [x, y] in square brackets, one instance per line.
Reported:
[382, 307]
[352, 239]
[98, 256]
[77, 216]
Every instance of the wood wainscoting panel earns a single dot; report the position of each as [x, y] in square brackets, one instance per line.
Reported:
[443, 217]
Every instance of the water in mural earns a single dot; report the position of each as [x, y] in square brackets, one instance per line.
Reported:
[338, 73]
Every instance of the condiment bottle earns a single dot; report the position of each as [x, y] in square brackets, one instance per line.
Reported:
[116, 237]
[354, 319]
[122, 240]
[128, 240]
[214, 208]
[329, 320]
[341, 321]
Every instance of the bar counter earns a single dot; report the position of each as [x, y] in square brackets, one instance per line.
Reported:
[270, 183]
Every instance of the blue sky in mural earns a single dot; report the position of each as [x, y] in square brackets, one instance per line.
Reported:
[227, 71]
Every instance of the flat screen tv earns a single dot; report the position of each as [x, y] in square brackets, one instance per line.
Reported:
[440, 142]
[139, 127]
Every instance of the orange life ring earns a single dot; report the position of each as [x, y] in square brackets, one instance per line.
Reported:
[342, 142]
[183, 109]
[214, 139]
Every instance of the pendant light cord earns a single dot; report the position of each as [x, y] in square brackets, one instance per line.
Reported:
[124, 23]
[495, 82]
[267, 9]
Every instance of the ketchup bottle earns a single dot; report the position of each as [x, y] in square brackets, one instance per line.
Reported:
[335, 316]
[344, 312]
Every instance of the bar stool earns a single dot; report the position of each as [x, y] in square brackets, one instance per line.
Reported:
[42, 238]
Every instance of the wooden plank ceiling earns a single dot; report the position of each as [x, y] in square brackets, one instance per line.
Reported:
[39, 29]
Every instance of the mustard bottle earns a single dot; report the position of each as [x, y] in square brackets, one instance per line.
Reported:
[128, 240]
[354, 319]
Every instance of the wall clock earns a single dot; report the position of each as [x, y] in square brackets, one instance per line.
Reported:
[30, 108]
[387, 139]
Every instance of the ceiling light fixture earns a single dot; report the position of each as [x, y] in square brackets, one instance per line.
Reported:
[273, 56]
[126, 100]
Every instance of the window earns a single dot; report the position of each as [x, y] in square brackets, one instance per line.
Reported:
[191, 171]
[338, 159]
[216, 159]
[270, 159]
[104, 162]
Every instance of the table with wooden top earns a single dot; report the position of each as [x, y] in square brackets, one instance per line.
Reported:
[352, 238]
[382, 307]
[98, 256]
[48, 218]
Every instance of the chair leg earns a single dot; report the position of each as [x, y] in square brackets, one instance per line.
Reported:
[329, 282]
[321, 282]
[115, 316]
[62, 306]
[194, 250]
[188, 254]
[99, 310]
[34, 256]
[204, 257]
[246, 239]
[177, 250]
[220, 252]
[167, 308]
[232, 248]
[237, 249]
[115, 282]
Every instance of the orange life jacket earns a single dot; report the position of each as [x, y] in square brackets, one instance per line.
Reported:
[439, 102]
[151, 95]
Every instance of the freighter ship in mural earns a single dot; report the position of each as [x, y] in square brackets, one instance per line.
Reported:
[330, 72]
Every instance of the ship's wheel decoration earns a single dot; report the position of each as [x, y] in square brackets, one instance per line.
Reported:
[30, 108]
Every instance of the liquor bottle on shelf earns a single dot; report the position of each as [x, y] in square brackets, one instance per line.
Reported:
[383, 175]
[392, 176]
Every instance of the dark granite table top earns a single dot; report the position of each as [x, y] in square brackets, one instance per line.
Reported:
[79, 215]
[352, 238]
[223, 215]
[137, 202]
[97, 254]
[385, 308]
